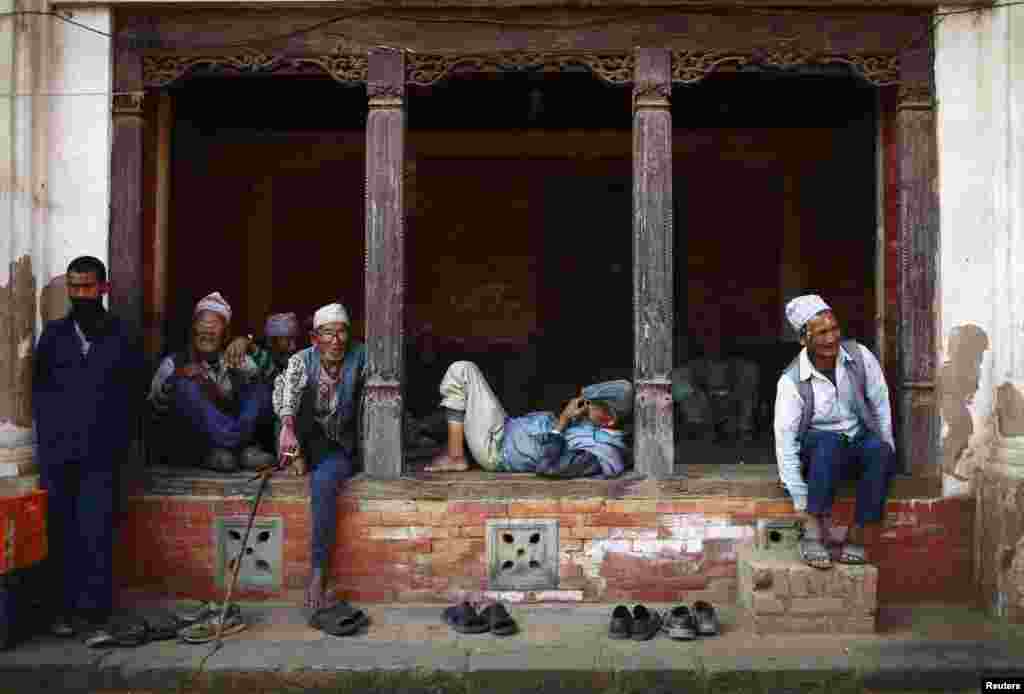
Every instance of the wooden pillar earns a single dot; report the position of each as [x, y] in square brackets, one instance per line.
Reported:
[156, 303]
[125, 249]
[385, 264]
[918, 441]
[652, 262]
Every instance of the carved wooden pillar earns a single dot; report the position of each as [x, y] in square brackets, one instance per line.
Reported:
[385, 264]
[125, 249]
[156, 303]
[918, 441]
[652, 262]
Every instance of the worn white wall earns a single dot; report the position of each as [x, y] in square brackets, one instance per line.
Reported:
[54, 154]
[979, 74]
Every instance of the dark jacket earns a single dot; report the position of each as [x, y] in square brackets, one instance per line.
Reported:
[86, 407]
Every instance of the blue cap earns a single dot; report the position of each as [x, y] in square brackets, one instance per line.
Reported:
[618, 394]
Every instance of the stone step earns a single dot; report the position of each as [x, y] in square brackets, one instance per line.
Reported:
[779, 593]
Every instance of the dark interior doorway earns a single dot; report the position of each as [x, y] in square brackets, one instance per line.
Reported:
[775, 196]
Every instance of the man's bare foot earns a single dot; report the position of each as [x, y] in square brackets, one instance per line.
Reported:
[445, 463]
[316, 596]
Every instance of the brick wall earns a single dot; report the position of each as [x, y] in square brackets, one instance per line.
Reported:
[611, 550]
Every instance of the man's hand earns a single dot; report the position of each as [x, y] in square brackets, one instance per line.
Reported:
[234, 355]
[576, 408]
[287, 444]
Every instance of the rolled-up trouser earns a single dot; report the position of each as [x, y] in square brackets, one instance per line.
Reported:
[829, 458]
[465, 389]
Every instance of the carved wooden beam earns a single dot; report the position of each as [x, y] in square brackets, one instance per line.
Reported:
[427, 69]
[691, 66]
[161, 70]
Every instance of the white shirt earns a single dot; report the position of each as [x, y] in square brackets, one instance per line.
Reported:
[834, 410]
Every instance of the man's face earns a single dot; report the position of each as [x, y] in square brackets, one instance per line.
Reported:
[84, 285]
[331, 339]
[823, 336]
[208, 332]
[282, 347]
[599, 415]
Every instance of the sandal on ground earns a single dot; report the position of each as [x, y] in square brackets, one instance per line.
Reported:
[706, 618]
[499, 619]
[645, 623]
[622, 623]
[163, 626]
[814, 553]
[464, 619]
[193, 612]
[680, 623]
[125, 632]
[62, 627]
[852, 554]
[340, 619]
[205, 632]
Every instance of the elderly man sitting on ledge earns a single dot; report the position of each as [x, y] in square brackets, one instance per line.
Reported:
[586, 440]
[206, 412]
[832, 421]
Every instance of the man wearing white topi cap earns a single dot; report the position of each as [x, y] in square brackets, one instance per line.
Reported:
[317, 401]
[832, 421]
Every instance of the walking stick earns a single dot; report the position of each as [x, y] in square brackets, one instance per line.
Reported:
[264, 477]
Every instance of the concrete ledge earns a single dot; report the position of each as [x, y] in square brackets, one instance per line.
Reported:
[567, 643]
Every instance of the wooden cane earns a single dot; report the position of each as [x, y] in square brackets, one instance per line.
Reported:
[265, 477]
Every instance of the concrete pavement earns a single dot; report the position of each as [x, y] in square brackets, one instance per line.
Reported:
[923, 647]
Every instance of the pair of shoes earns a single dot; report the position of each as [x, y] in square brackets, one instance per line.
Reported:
[494, 618]
[340, 619]
[686, 624]
[640, 625]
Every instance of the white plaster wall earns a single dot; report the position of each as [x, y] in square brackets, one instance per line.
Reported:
[979, 65]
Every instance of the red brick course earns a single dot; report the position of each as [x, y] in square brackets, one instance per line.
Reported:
[628, 550]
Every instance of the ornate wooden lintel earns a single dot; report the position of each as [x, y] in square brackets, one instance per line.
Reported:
[692, 66]
[427, 69]
[161, 70]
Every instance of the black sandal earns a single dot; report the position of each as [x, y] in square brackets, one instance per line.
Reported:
[500, 620]
[622, 623]
[340, 619]
[706, 618]
[464, 619]
[645, 623]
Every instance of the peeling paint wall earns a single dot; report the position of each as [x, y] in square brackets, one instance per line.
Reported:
[17, 328]
[979, 72]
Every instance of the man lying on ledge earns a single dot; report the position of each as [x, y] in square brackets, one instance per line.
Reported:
[586, 440]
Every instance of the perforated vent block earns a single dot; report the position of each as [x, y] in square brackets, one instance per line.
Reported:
[262, 562]
[522, 554]
[778, 535]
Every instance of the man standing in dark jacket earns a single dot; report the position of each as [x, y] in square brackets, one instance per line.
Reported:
[86, 393]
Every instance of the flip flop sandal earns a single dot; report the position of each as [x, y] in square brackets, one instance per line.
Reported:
[500, 620]
[125, 632]
[464, 619]
[645, 623]
[814, 553]
[680, 624]
[205, 632]
[339, 620]
[852, 558]
[195, 612]
[621, 624]
[163, 626]
[706, 619]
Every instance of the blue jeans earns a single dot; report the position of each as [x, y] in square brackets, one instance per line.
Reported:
[829, 458]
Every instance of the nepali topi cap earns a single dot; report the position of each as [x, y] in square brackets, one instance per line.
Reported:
[214, 302]
[803, 308]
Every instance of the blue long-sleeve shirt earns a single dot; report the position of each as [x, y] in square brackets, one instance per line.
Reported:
[530, 445]
[85, 403]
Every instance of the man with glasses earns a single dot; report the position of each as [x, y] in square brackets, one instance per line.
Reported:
[317, 401]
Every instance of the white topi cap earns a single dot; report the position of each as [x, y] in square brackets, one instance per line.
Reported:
[803, 308]
[331, 313]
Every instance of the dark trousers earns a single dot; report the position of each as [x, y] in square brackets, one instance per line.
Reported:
[195, 424]
[830, 458]
[331, 464]
[80, 530]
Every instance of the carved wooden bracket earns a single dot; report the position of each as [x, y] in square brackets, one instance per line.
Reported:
[427, 69]
[689, 67]
[163, 70]
[127, 104]
[649, 94]
[916, 97]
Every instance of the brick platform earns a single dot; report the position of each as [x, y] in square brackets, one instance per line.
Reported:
[781, 594]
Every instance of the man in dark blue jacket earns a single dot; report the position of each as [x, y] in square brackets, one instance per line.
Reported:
[86, 393]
